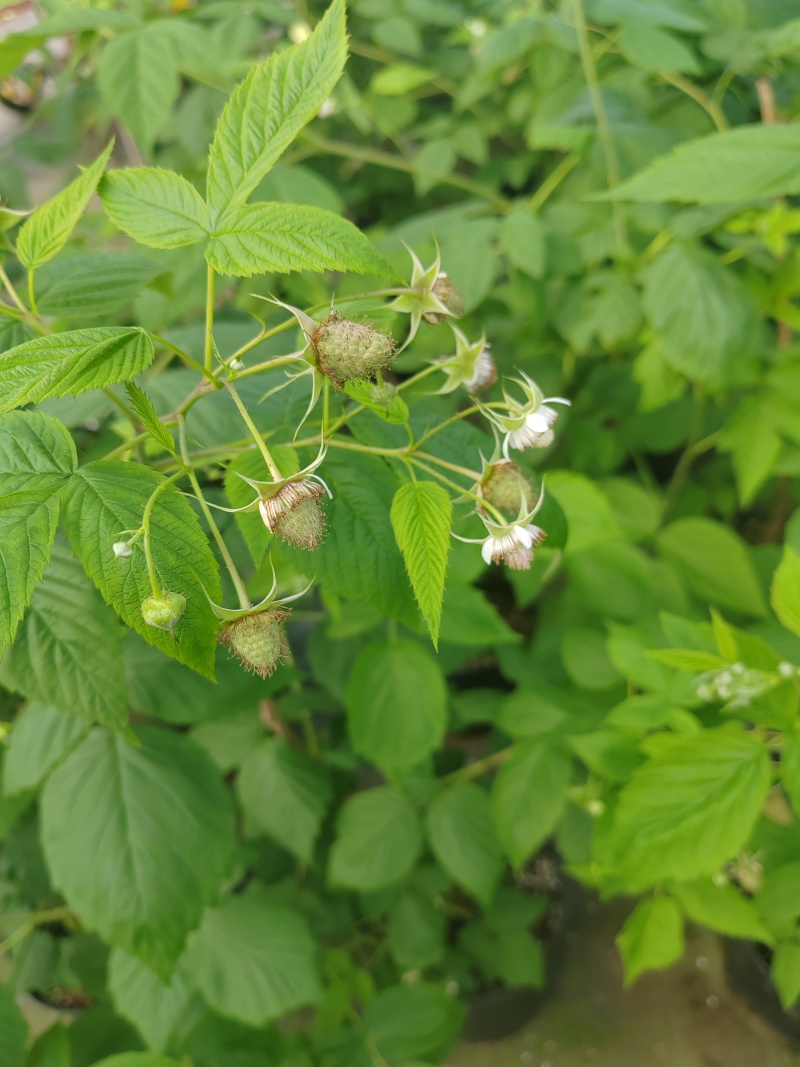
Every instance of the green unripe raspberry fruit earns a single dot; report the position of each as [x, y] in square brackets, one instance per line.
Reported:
[505, 486]
[257, 640]
[163, 611]
[295, 515]
[350, 351]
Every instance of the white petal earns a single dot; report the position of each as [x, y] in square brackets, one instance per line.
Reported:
[522, 535]
[486, 551]
[537, 421]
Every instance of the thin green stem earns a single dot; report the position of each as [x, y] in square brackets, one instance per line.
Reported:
[8, 285]
[497, 515]
[251, 426]
[185, 357]
[32, 293]
[479, 767]
[708, 103]
[553, 180]
[236, 578]
[209, 348]
[270, 364]
[465, 413]
[326, 409]
[14, 938]
[601, 117]
[473, 475]
[155, 585]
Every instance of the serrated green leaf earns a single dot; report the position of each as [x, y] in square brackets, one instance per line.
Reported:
[155, 207]
[378, 840]
[270, 107]
[51, 1048]
[463, 838]
[138, 80]
[253, 960]
[528, 796]
[47, 229]
[689, 808]
[410, 1021]
[751, 438]
[786, 972]
[416, 932]
[138, 839]
[421, 517]
[714, 562]
[66, 364]
[148, 416]
[67, 651]
[13, 1029]
[523, 238]
[153, 1006]
[652, 937]
[92, 285]
[396, 703]
[723, 908]
[42, 737]
[279, 238]
[785, 592]
[748, 163]
[285, 795]
[105, 498]
[687, 659]
[37, 456]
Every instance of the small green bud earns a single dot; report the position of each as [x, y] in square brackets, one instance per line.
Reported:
[505, 487]
[163, 611]
[122, 550]
[350, 351]
[257, 640]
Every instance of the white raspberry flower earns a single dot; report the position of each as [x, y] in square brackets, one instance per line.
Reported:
[472, 365]
[526, 424]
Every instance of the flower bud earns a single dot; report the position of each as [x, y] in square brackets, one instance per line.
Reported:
[350, 351]
[163, 611]
[505, 487]
[257, 640]
[446, 293]
[122, 550]
[294, 514]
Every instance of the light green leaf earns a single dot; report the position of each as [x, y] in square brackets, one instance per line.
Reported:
[652, 937]
[689, 808]
[416, 932]
[751, 438]
[153, 1006]
[138, 839]
[785, 593]
[284, 794]
[378, 840]
[138, 80]
[723, 908]
[523, 238]
[528, 796]
[148, 416]
[138, 1059]
[106, 498]
[380, 397]
[13, 1029]
[748, 163]
[468, 618]
[421, 517]
[47, 229]
[51, 1048]
[463, 838]
[42, 737]
[589, 515]
[270, 107]
[37, 456]
[66, 364]
[786, 972]
[654, 49]
[155, 207]
[92, 285]
[67, 651]
[687, 659]
[279, 238]
[714, 562]
[396, 703]
[254, 961]
[407, 1022]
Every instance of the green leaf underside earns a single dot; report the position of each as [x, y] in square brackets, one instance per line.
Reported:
[747, 163]
[138, 840]
[42, 737]
[396, 703]
[66, 364]
[279, 238]
[49, 227]
[155, 207]
[464, 840]
[651, 938]
[689, 808]
[67, 651]
[285, 795]
[270, 107]
[37, 456]
[421, 517]
[254, 961]
[106, 498]
[378, 840]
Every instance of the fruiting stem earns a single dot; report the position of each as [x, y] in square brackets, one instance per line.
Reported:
[326, 408]
[155, 585]
[32, 294]
[209, 352]
[251, 426]
[236, 578]
[185, 357]
[479, 767]
[12, 292]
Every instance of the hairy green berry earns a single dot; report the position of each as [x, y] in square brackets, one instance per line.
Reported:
[295, 515]
[163, 611]
[505, 487]
[257, 640]
[350, 351]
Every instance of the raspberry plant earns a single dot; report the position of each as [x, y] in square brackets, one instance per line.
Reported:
[311, 675]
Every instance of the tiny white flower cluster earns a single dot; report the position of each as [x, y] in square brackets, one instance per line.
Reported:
[738, 686]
